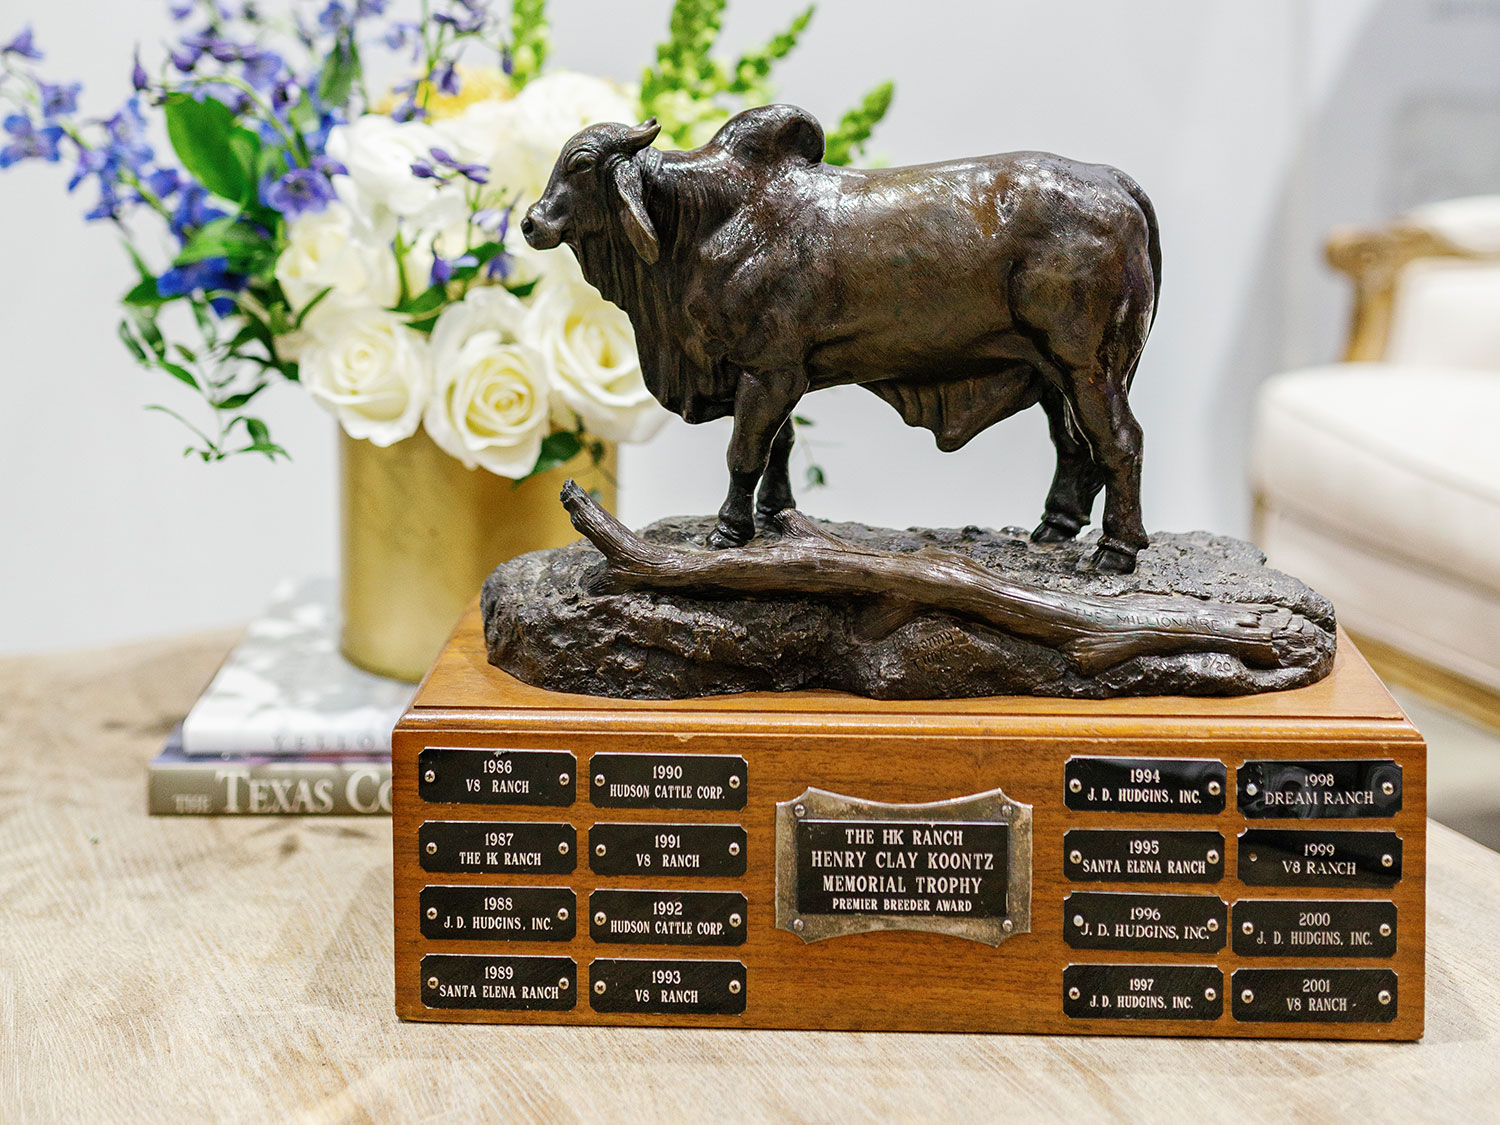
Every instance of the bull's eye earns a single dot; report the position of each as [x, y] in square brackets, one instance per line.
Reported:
[583, 162]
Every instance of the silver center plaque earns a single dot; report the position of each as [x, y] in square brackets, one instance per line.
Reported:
[849, 866]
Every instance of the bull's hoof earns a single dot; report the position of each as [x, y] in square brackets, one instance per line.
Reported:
[1109, 559]
[766, 512]
[723, 536]
[1047, 532]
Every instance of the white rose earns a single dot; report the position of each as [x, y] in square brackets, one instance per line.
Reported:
[596, 370]
[379, 153]
[370, 370]
[490, 404]
[519, 139]
[331, 250]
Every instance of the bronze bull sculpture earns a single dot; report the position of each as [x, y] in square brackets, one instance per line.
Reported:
[959, 292]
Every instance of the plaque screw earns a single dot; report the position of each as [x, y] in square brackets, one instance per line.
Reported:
[598, 779]
[1213, 855]
[1214, 788]
[1078, 920]
[1385, 929]
[1210, 994]
[1007, 925]
[734, 781]
[432, 982]
[432, 912]
[734, 987]
[1246, 996]
[430, 776]
[1006, 810]
[562, 847]
[564, 778]
[1252, 789]
[432, 849]
[1387, 788]
[1386, 860]
[598, 917]
[735, 919]
[563, 983]
[800, 810]
[1213, 925]
[1247, 928]
[1384, 997]
[1075, 856]
[599, 988]
[598, 849]
[562, 914]
[734, 848]
[1073, 993]
[1075, 786]
[797, 924]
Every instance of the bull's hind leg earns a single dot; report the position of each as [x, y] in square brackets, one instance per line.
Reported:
[1070, 501]
[1115, 438]
[775, 494]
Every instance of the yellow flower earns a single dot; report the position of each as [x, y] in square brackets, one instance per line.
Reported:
[486, 84]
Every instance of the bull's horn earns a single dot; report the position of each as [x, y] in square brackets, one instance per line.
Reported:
[642, 135]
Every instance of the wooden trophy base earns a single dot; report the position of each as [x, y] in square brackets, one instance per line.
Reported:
[1244, 867]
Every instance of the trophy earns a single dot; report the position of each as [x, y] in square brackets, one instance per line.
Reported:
[760, 770]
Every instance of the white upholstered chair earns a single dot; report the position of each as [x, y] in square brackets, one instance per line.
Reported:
[1377, 480]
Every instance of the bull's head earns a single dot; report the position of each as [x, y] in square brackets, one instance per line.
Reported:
[597, 179]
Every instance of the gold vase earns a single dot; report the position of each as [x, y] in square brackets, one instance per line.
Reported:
[420, 535]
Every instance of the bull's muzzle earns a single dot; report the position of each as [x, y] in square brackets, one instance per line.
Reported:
[538, 232]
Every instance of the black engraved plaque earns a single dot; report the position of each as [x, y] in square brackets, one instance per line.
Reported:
[1159, 785]
[1117, 855]
[668, 781]
[625, 984]
[499, 983]
[1143, 992]
[1341, 927]
[496, 777]
[1327, 789]
[1144, 923]
[648, 848]
[668, 917]
[497, 847]
[935, 868]
[1313, 995]
[498, 913]
[1309, 857]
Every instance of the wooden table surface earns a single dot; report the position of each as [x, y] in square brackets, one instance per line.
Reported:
[240, 969]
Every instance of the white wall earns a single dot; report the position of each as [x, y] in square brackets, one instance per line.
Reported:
[1253, 124]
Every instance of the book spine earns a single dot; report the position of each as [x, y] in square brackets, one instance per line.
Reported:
[269, 788]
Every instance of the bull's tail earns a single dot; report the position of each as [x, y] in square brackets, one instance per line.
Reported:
[1153, 235]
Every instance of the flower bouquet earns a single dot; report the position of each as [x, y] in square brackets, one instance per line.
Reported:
[334, 207]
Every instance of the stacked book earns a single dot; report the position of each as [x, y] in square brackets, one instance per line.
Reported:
[288, 726]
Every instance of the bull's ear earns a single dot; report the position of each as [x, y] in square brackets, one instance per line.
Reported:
[638, 227]
[642, 135]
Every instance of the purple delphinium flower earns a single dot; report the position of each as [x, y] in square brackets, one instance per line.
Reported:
[193, 211]
[469, 21]
[127, 145]
[442, 268]
[163, 182]
[139, 80]
[262, 68]
[423, 170]
[208, 276]
[478, 173]
[329, 166]
[335, 17]
[59, 99]
[182, 11]
[445, 78]
[301, 191]
[403, 33]
[499, 267]
[22, 45]
[28, 142]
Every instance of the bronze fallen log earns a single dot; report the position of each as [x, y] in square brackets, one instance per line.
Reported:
[1094, 632]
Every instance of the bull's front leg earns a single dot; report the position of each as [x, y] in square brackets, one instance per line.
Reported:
[763, 402]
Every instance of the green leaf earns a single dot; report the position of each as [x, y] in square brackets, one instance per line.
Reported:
[340, 72]
[524, 289]
[127, 337]
[178, 371]
[557, 449]
[802, 420]
[145, 294]
[429, 300]
[218, 152]
[225, 238]
[236, 401]
[856, 126]
[815, 477]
